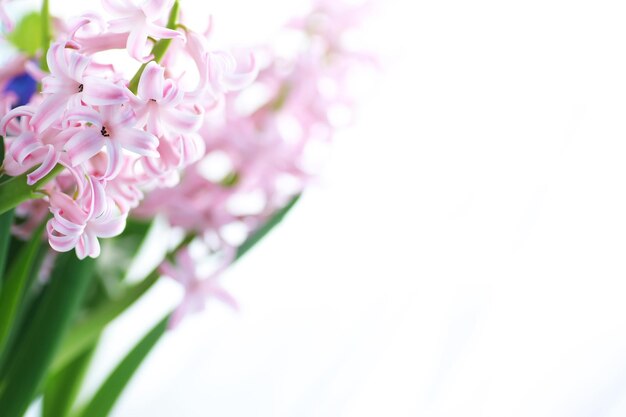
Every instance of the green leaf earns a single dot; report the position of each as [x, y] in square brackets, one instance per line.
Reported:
[159, 48]
[45, 34]
[62, 388]
[83, 333]
[15, 190]
[104, 399]
[6, 220]
[27, 34]
[2, 150]
[260, 233]
[42, 337]
[16, 284]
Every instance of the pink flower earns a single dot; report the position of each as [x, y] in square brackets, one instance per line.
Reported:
[160, 104]
[140, 22]
[197, 288]
[68, 84]
[28, 148]
[77, 224]
[219, 71]
[112, 127]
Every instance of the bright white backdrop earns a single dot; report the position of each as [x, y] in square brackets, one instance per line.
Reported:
[464, 253]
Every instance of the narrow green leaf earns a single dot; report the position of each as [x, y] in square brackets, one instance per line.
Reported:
[62, 388]
[104, 399]
[27, 34]
[6, 220]
[1, 151]
[42, 337]
[159, 48]
[15, 190]
[15, 287]
[260, 233]
[45, 33]
[88, 329]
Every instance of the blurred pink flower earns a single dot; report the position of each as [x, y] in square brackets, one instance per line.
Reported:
[140, 22]
[197, 288]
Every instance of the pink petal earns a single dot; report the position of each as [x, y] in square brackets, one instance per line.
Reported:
[151, 82]
[60, 243]
[160, 32]
[108, 227]
[50, 109]
[181, 121]
[99, 92]
[56, 59]
[114, 162]
[22, 111]
[49, 162]
[23, 146]
[138, 141]
[156, 9]
[136, 44]
[84, 144]
[77, 65]
[118, 7]
[84, 114]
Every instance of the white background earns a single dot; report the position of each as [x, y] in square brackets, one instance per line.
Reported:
[464, 253]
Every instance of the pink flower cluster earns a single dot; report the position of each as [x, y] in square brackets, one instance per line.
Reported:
[263, 151]
[113, 143]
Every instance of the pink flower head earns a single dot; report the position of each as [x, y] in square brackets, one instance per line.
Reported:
[220, 72]
[79, 223]
[112, 127]
[161, 104]
[28, 149]
[140, 22]
[69, 84]
[197, 288]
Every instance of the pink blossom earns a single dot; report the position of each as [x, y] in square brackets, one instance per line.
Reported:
[78, 223]
[112, 127]
[160, 104]
[27, 148]
[140, 22]
[197, 288]
[69, 85]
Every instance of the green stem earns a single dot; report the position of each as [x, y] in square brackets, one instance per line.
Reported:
[159, 48]
[88, 329]
[45, 33]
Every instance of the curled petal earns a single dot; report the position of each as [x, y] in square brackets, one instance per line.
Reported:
[136, 45]
[108, 227]
[49, 162]
[60, 243]
[114, 162]
[22, 111]
[23, 146]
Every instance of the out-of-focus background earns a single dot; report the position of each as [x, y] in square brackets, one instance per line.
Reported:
[463, 253]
